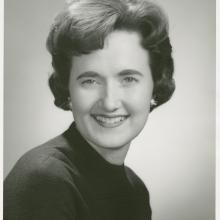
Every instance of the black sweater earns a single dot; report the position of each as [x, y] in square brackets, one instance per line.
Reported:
[66, 179]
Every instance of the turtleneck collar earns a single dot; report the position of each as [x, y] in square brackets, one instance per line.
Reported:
[88, 158]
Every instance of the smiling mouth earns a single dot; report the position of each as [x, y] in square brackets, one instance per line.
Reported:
[110, 121]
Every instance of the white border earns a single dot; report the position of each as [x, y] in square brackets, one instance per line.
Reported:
[217, 107]
[1, 102]
[217, 111]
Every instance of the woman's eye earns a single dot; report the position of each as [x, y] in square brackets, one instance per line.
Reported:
[129, 80]
[88, 82]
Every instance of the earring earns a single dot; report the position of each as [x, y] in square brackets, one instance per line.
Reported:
[153, 102]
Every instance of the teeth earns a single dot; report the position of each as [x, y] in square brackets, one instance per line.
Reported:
[110, 120]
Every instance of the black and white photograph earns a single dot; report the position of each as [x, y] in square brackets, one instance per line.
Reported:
[109, 110]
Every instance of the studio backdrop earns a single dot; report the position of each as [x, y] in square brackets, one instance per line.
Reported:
[175, 153]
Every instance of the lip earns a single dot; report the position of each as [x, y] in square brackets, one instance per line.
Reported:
[109, 121]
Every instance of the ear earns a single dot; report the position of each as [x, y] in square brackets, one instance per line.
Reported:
[69, 104]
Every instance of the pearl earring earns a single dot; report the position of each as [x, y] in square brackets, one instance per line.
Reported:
[153, 102]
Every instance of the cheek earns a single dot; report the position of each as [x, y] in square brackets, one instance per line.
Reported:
[82, 101]
[139, 99]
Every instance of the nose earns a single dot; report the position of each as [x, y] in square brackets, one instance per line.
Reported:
[110, 98]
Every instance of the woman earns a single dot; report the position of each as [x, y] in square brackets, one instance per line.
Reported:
[112, 66]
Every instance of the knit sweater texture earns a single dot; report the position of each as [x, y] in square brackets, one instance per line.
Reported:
[66, 179]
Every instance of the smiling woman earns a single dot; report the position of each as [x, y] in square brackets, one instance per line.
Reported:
[112, 66]
[110, 92]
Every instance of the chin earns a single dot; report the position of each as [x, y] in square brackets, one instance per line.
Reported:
[112, 142]
[113, 145]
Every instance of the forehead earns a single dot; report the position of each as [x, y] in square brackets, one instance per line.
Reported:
[122, 49]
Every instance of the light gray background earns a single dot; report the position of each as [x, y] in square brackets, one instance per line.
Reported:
[174, 154]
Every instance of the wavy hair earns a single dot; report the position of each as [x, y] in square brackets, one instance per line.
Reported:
[82, 28]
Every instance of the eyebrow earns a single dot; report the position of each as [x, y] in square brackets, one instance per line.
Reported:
[87, 74]
[126, 72]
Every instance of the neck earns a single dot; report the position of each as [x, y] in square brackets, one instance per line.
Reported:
[113, 155]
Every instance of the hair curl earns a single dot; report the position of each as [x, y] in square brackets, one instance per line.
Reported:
[82, 28]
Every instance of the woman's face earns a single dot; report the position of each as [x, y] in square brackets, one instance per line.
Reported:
[110, 91]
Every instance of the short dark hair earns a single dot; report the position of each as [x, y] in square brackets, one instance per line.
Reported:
[83, 26]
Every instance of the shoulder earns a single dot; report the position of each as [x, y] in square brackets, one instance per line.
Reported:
[133, 177]
[41, 180]
[140, 188]
[45, 161]
[136, 181]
